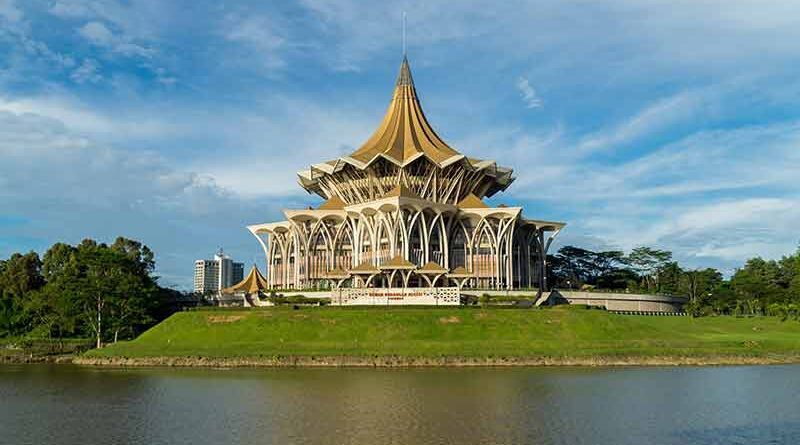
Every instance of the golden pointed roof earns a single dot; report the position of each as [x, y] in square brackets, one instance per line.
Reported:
[254, 282]
[405, 134]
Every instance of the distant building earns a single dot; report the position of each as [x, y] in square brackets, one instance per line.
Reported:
[212, 275]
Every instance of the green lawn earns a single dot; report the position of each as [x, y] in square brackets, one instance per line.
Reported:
[561, 332]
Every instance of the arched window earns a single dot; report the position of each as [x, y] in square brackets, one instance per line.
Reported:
[458, 247]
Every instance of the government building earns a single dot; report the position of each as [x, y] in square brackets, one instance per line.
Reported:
[403, 215]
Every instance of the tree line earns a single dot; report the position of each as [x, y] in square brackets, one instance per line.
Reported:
[91, 290]
[109, 292]
[759, 287]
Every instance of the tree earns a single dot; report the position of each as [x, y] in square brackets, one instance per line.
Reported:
[608, 262]
[618, 278]
[700, 286]
[572, 265]
[140, 254]
[92, 289]
[56, 260]
[113, 289]
[759, 280]
[647, 262]
[790, 276]
[132, 304]
[21, 275]
[669, 278]
[581, 266]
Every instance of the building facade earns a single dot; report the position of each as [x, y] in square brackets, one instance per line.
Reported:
[406, 210]
[219, 273]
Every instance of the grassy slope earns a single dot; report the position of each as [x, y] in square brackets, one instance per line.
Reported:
[559, 332]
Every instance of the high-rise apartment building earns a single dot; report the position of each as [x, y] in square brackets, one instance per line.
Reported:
[212, 275]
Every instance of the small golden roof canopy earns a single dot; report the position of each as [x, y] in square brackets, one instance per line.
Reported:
[404, 133]
[333, 203]
[472, 202]
[254, 282]
[459, 272]
[365, 267]
[431, 268]
[337, 273]
[398, 262]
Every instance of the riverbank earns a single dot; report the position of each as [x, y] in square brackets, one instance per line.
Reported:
[422, 362]
[24, 351]
[27, 359]
[408, 337]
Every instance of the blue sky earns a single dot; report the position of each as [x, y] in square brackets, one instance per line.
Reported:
[668, 123]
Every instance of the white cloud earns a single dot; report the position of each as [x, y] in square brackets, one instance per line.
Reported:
[97, 33]
[139, 20]
[259, 33]
[114, 126]
[715, 197]
[529, 95]
[71, 8]
[730, 230]
[122, 28]
[67, 187]
[86, 72]
[656, 117]
[9, 11]
[16, 32]
[271, 149]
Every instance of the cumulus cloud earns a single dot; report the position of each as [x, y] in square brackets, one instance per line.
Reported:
[528, 94]
[75, 187]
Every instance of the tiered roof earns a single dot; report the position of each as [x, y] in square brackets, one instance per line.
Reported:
[403, 136]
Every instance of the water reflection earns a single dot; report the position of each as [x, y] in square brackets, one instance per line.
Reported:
[72, 405]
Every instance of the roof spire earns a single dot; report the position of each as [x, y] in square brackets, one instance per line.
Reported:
[404, 34]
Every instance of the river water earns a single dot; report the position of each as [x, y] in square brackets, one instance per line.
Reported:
[712, 405]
